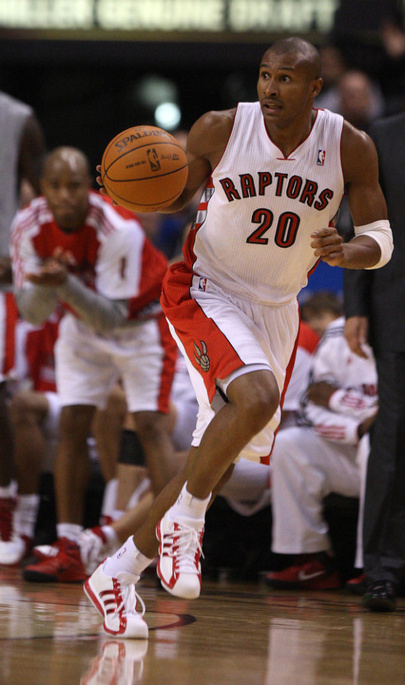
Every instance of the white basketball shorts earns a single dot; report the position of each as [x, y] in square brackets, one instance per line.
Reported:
[88, 365]
[222, 337]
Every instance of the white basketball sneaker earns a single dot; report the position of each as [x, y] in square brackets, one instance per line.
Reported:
[13, 546]
[120, 663]
[180, 549]
[115, 599]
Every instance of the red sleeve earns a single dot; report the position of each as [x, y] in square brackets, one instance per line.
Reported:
[154, 267]
[307, 338]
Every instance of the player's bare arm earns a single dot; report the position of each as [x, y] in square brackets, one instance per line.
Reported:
[206, 143]
[320, 393]
[366, 202]
[360, 169]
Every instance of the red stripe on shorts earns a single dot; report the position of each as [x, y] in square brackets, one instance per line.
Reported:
[11, 322]
[208, 349]
[169, 363]
[289, 370]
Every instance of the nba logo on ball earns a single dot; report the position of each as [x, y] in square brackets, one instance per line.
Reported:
[153, 159]
[321, 157]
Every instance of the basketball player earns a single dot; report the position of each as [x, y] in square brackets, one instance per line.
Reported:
[34, 415]
[275, 172]
[8, 484]
[72, 247]
[311, 460]
[21, 155]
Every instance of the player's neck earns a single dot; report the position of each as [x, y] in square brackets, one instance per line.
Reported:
[289, 135]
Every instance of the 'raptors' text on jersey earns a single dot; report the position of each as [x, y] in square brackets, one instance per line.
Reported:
[253, 229]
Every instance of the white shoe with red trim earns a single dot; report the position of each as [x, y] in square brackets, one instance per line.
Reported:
[180, 549]
[115, 599]
[13, 547]
[120, 663]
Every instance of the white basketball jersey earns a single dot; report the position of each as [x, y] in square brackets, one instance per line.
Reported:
[253, 228]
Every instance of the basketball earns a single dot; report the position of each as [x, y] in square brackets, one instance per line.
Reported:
[144, 168]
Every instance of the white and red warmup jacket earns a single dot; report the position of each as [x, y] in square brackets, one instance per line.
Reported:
[110, 253]
[355, 400]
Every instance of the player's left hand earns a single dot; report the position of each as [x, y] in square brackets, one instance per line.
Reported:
[329, 246]
[52, 273]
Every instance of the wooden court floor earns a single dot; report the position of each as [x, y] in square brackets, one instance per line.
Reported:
[238, 634]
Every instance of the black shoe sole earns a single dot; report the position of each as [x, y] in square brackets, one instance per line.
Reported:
[36, 577]
[379, 604]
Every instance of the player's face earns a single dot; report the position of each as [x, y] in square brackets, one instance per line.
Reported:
[66, 191]
[285, 88]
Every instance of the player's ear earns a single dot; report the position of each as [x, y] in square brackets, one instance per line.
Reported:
[317, 86]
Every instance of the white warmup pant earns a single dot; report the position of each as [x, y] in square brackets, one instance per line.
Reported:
[306, 468]
[362, 459]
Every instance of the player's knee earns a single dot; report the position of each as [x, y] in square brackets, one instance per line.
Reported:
[22, 409]
[261, 403]
[75, 422]
[151, 423]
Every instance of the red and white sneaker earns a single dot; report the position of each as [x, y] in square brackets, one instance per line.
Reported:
[120, 663]
[116, 600]
[13, 547]
[41, 552]
[310, 572]
[180, 549]
[357, 585]
[63, 567]
[93, 544]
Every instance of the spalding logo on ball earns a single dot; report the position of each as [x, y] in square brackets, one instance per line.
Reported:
[144, 168]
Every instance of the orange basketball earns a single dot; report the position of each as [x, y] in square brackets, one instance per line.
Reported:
[144, 168]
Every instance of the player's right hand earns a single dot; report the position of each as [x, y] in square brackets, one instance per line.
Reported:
[356, 334]
[100, 180]
[102, 190]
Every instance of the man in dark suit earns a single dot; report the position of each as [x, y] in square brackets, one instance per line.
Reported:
[375, 310]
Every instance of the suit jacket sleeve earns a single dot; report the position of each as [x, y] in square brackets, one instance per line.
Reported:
[356, 292]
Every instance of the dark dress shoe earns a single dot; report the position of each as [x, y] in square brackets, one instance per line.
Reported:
[380, 596]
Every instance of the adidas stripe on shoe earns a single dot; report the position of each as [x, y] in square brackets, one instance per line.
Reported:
[116, 600]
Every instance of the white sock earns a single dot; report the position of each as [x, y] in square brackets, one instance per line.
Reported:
[127, 559]
[117, 514]
[9, 490]
[189, 506]
[69, 530]
[26, 515]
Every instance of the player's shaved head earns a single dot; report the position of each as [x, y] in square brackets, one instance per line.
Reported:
[66, 157]
[65, 183]
[305, 53]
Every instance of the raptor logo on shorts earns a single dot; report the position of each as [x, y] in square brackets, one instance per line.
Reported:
[201, 356]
